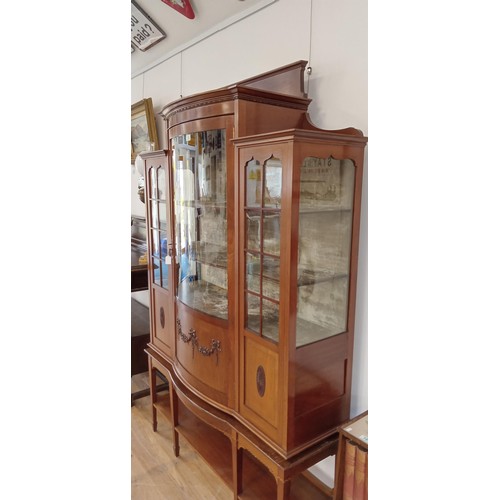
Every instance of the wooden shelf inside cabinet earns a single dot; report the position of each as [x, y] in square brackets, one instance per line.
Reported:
[351, 462]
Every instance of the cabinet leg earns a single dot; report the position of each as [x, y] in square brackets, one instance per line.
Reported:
[237, 459]
[283, 489]
[174, 409]
[152, 392]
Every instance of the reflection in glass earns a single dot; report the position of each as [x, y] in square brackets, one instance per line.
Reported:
[253, 229]
[252, 313]
[262, 242]
[199, 161]
[271, 232]
[162, 191]
[253, 272]
[156, 271]
[253, 185]
[163, 216]
[155, 243]
[325, 228]
[270, 320]
[272, 186]
[271, 277]
[154, 214]
[152, 183]
[164, 274]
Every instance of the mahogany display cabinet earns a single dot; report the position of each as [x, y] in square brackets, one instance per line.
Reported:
[253, 220]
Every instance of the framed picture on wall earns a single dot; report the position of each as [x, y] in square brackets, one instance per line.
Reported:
[144, 136]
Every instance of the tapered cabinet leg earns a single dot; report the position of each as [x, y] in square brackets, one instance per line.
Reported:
[152, 392]
[283, 489]
[174, 409]
[237, 459]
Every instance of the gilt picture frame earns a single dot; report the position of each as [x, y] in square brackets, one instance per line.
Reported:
[144, 135]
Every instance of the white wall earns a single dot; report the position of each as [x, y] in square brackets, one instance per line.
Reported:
[337, 51]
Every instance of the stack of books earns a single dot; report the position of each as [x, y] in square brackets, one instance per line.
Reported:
[353, 460]
[355, 472]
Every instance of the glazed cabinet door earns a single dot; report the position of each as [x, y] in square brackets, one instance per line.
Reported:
[203, 223]
[200, 214]
[265, 178]
[160, 250]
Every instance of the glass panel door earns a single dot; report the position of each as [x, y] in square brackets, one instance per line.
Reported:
[199, 161]
[160, 257]
[325, 228]
[262, 247]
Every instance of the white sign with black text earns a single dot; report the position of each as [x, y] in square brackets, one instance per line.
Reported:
[144, 32]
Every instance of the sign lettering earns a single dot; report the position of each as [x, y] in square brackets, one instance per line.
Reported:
[144, 32]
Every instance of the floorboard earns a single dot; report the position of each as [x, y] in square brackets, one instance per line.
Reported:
[158, 475]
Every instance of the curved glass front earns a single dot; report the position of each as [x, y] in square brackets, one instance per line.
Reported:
[199, 162]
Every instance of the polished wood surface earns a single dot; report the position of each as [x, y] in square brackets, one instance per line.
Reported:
[203, 468]
[268, 395]
[314, 381]
[187, 413]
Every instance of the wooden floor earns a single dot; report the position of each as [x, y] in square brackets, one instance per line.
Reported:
[158, 475]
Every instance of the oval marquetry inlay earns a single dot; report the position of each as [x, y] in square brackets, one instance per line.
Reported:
[261, 381]
[162, 317]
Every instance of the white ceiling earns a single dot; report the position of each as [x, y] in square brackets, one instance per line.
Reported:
[181, 32]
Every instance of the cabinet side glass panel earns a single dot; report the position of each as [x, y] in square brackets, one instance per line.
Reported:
[324, 247]
[199, 161]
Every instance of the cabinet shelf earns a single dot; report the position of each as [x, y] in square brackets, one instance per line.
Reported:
[209, 254]
[313, 209]
[204, 296]
[309, 332]
[185, 147]
[306, 277]
[221, 205]
[207, 203]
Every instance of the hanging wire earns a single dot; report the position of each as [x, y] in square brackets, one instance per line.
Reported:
[181, 74]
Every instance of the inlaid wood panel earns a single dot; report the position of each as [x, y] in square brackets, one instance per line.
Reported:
[261, 385]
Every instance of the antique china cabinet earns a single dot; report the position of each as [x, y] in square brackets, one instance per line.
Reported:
[253, 221]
